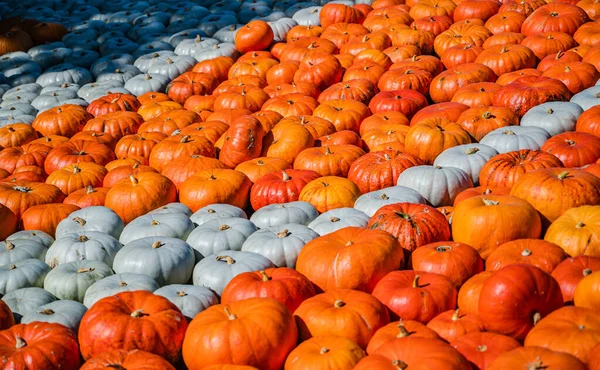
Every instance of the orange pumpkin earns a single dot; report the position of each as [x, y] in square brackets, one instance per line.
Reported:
[77, 176]
[45, 217]
[539, 253]
[325, 352]
[9, 222]
[577, 231]
[503, 170]
[330, 192]
[242, 141]
[363, 265]
[65, 120]
[215, 186]
[532, 357]
[19, 195]
[453, 324]
[498, 219]
[264, 329]
[347, 313]
[334, 160]
[578, 323]
[257, 168]
[570, 272]
[428, 140]
[468, 295]
[457, 261]
[574, 187]
[138, 195]
[256, 35]
[400, 329]
[87, 197]
[113, 103]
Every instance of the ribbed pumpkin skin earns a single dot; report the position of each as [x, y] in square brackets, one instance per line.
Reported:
[258, 332]
[110, 323]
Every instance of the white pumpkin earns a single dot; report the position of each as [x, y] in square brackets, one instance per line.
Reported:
[468, 157]
[91, 245]
[118, 283]
[167, 260]
[227, 33]
[173, 225]
[285, 213]
[370, 202]
[37, 235]
[281, 27]
[220, 234]
[141, 84]
[120, 74]
[217, 270]
[510, 139]
[146, 61]
[187, 34]
[111, 61]
[65, 73]
[172, 66]
[555, 117]
[587, 98]
[16, 109]
[190, 299]
[82, 58]
[338, 218]
[212, 211]
[26, 300]
[89, 91]
[71, 280]
[281, 244]
[44, 101]
[308, 16]
[172, 208]
[192, 46]
[22, 274]
[224, 49]
[439, 185]
[64, 312]
[96, 218]
[15, 250]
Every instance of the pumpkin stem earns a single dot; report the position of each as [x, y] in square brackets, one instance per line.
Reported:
[550, 111]
[46, 311]
[283, 234]
[481, 348]
[323, 351]
[334, 219]
[579, 225]
[384, 196]
[22, 189]
[327, 151]
[210, 210]
[563, 175]
[587, 272]
[9, 246]
[526, 252]
[154, 223]
[536, 365]
[85, 269]
[181, 294]
[536, 317]
[133, 180]
[456, 315]
[83, 238]
[508, 132]
[471, 151]
[224, 227]
[185, 139]
[489, 202]
[229, 314]
[20, 342]
[229, 260]
[122, 283]
[443, 248]
[79, 220]
[400, 364]
[403, 332]
[13, 266]
[90, 189]
[157, 244]
[264, 276]
[416, 281]
[285, 176]
[138, 313]
[339, 303]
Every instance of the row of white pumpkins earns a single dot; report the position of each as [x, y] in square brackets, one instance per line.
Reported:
[136, 50]
[95, 255]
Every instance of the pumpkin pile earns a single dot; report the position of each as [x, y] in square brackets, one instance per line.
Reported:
[259, 184]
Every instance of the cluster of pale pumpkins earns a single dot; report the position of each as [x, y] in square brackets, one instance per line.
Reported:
[138, 48]
[95, 255]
